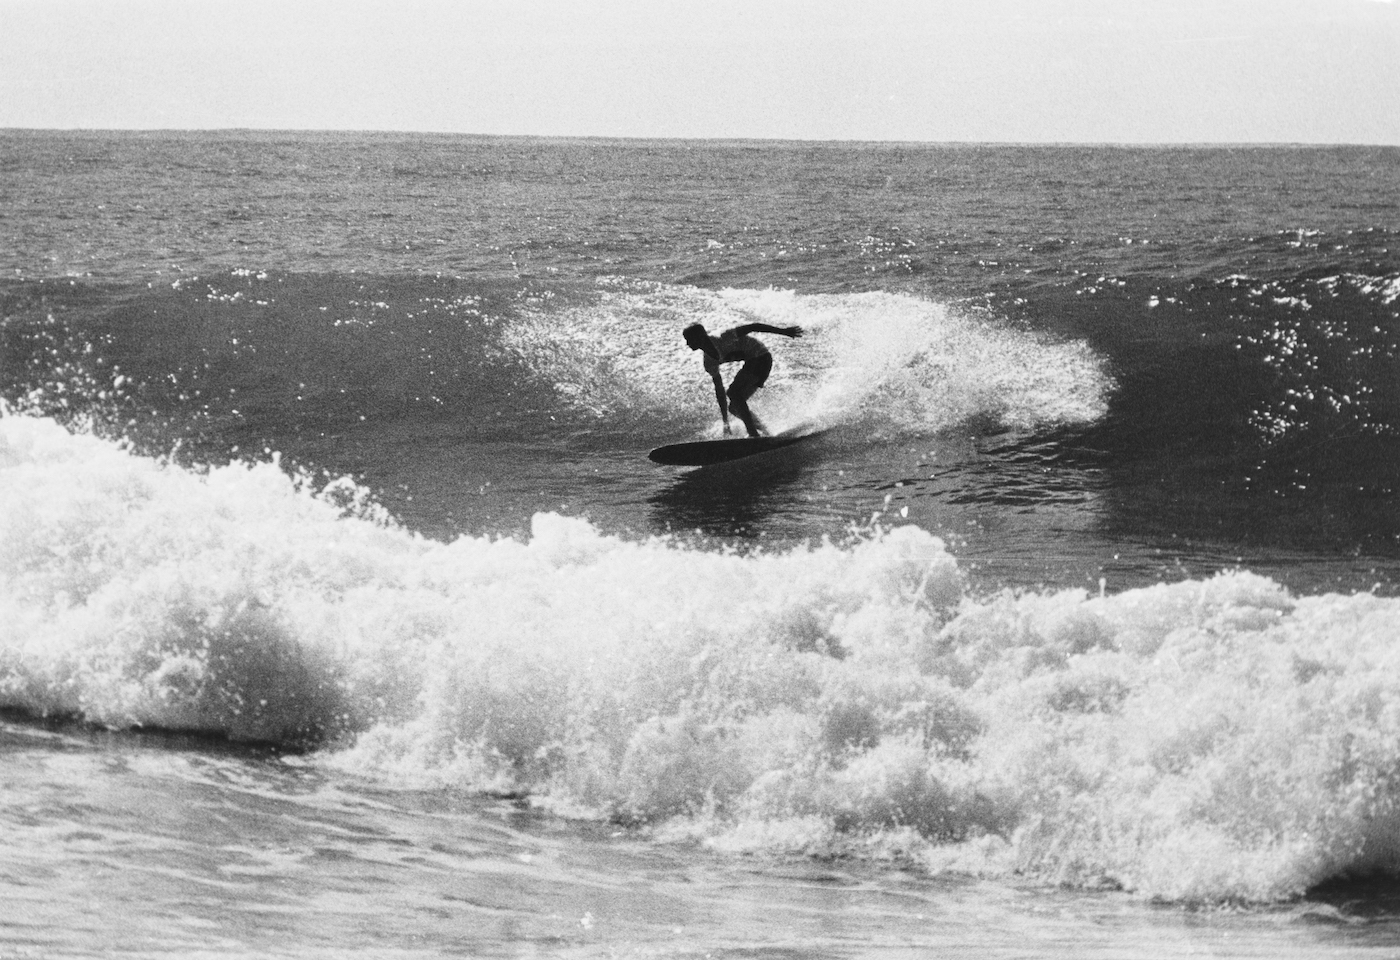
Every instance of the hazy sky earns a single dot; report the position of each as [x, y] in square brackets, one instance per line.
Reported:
[1005, 70]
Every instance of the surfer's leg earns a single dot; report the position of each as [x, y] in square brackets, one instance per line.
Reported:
[750, 377]
[741, 410]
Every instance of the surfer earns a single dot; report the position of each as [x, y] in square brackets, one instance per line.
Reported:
[732, 346]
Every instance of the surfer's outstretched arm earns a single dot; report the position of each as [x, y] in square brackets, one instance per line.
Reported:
[744, 328]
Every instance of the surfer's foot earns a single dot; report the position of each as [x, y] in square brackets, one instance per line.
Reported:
[754, 426]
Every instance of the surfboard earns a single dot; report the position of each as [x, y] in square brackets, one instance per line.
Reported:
[701, 453]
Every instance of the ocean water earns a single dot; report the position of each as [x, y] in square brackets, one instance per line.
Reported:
[341, 611]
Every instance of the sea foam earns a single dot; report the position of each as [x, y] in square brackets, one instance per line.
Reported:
[1200, 740]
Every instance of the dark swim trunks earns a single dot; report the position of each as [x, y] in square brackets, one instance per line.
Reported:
[750, 377]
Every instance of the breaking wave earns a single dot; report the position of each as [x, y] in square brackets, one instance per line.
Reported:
[1205, 740]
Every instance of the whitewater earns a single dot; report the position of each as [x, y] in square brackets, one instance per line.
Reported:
[1213, 739]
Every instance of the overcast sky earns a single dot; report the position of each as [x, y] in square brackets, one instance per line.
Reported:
[1140, 71]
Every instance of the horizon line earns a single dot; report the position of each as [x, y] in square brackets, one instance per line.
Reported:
[810, 141]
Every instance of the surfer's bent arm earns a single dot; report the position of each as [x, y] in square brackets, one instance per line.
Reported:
[745, 328]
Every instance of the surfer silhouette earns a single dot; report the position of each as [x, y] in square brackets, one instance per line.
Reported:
[735, 345]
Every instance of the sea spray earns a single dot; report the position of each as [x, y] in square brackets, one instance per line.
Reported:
[1200, 740]
[895, 364]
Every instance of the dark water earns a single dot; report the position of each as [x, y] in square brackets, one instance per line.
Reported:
[336, 443]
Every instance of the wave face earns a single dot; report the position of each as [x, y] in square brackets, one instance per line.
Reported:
[289, 354]
[1239, 417]
[1199, 740]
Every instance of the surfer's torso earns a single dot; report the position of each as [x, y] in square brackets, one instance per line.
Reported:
[736, 347]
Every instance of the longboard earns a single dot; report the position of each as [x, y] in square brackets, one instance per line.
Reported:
[701, 453]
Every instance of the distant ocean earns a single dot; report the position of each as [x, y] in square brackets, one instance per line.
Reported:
[342, 612]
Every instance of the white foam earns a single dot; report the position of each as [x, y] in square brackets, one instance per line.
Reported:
[1200, 740]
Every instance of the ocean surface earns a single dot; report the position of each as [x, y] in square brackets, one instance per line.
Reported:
[342, 612]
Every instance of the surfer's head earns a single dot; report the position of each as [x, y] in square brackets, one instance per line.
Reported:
[696, 336]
